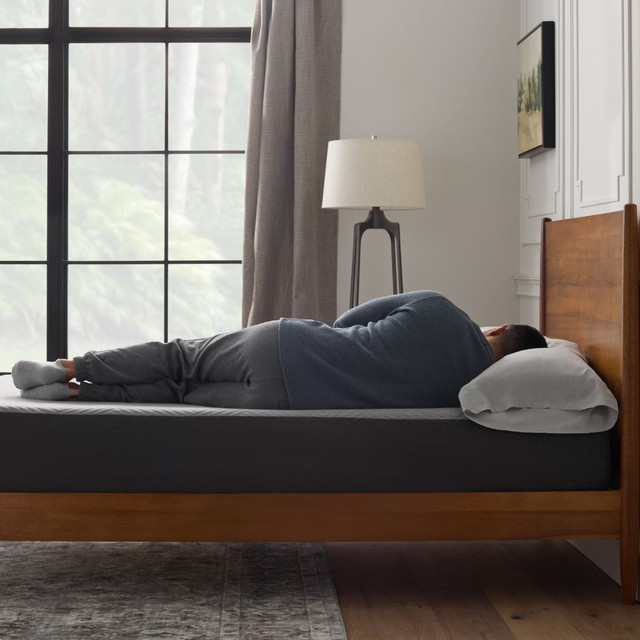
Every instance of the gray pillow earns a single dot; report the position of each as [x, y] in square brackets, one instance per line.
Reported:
[550, 390]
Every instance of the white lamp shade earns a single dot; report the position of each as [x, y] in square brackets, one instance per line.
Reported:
[362, 174]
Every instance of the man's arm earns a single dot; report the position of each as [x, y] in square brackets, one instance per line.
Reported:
[378, 308]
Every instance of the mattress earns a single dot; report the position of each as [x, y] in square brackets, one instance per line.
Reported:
[100, 447]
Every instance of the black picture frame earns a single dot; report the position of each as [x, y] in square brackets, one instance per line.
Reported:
[536, 91]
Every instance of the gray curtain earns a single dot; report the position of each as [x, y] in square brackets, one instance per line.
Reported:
[289, 260]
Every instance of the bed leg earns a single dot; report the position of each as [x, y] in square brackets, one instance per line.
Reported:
[629, 568]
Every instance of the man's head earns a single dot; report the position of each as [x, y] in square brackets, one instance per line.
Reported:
[510, 338]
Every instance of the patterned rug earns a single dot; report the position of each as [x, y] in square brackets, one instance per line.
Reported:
[182, 591]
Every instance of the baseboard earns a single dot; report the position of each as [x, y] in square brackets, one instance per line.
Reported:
[605, 554]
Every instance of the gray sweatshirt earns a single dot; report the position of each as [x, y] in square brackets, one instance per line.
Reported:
[413, 349]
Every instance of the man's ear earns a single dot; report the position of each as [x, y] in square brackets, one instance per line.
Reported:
[498, 330]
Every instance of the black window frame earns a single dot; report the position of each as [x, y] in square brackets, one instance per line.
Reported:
[58, 36]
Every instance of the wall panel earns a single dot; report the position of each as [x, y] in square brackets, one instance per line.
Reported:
[600, 117]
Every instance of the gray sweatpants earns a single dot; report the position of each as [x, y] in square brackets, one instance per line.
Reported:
[238, 369]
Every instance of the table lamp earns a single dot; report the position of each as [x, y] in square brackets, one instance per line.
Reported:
[376, 175]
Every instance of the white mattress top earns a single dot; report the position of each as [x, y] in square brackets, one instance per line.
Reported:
[11, 402]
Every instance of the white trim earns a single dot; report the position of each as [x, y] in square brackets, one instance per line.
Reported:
[527, 286]
[634, 125]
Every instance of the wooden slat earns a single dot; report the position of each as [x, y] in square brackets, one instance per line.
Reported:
[630, 411]
[319, 517]
[583, 289]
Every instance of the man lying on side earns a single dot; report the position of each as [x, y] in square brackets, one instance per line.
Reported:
[413, 349]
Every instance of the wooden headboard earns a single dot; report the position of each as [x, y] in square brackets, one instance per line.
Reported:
[589, 295]
[586, 296]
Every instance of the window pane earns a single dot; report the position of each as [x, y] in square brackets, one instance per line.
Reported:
[23, 107]
[116, 207]
[206, 206]
[204, 13]
[114, 305]
[23, 317]
[23, 207]
[204, 299]
[116, 97]
[26, 14]
[116, 13]
[208, 96]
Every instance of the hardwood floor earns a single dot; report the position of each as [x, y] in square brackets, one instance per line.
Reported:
[532, 590]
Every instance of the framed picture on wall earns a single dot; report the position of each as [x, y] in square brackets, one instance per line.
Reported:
[536, 91]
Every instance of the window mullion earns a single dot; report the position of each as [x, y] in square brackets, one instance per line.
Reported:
[159, 34]
[57, 171]
[166, 191]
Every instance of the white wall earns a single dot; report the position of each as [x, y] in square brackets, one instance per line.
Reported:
[441, 72]
[589, 172]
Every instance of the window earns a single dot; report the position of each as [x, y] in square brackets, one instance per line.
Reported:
[122, 135]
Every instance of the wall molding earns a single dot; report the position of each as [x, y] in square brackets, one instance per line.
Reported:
[527, 285]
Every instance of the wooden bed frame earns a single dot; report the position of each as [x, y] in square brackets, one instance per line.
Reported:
[589, 294]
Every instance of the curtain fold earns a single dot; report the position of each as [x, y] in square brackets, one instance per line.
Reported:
[290, 242]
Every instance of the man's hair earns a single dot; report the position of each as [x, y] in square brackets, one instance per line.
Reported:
[517, 337]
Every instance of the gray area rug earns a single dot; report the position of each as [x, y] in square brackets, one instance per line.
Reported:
[182, 591]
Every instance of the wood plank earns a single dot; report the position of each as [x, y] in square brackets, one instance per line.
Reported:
[630, 411]
[353, 605]
[385, 577]
[585, 289]
[589, 598]
[413, 623]
[309, 517]
[454, 593]
[339, 556]
[528, 611]
[389, 604]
